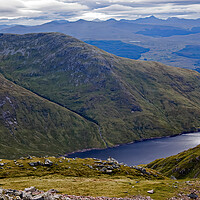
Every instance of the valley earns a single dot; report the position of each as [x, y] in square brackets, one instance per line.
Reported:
[128, 100]
[99, 100]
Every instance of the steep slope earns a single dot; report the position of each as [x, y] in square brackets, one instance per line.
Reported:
[130, 100]
[183, 165]
[30, 124]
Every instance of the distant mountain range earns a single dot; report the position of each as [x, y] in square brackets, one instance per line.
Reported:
[83, 97]
[175, 25]
[163, 38]
[172, 21]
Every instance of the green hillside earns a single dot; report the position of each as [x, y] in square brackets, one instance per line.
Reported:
[30, 124]
[129, 100]
[183, 165]
[92, 177]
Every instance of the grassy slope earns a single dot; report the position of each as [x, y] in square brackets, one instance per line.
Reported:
[30, 124]
[74, 177]
[131, 100]
[183, 165]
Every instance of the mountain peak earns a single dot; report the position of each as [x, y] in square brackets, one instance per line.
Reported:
[58, 22]
[152, 17]
[111, 20]
[97, 20]
[81, 20]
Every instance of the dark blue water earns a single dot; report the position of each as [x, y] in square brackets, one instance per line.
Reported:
[145, 151]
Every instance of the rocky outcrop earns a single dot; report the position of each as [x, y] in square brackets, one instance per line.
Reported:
[34, 194]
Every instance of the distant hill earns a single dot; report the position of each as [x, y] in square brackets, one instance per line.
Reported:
[182, 165]
[116, 100]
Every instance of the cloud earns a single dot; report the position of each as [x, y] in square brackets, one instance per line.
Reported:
[10, 8]
[40, 11]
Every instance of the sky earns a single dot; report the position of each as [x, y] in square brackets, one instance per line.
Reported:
[32, 12]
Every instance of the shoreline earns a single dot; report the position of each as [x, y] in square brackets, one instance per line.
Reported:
[136, 141]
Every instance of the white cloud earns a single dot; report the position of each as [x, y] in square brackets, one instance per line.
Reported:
[10, 7]
[40, 11]
[54, 5]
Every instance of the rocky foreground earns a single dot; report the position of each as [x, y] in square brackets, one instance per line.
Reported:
[34, 194]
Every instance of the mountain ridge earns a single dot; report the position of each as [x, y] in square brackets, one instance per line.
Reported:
[130, 100]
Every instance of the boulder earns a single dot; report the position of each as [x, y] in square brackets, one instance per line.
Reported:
[48, 163]
[150, 191]
[53, 191]
[173, 177]
[38, 197]
[33, 164]
[110, 159]
[108, 171]
[31, 189]
[193, 195]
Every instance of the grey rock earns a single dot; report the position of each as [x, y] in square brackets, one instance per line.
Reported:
[1, 191]
[56, 196]
[112, 160]
[38, 197]
[90, 166]
[31, 189]
[18, 193]
[48, 163]
[193, 196]
[108, 171]
[173, 177]
[26, 195]
[150, 191]
[137, 181]
[53, 191]
[34, 164]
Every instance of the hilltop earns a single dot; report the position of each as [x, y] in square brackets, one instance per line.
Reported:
[119, 100]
